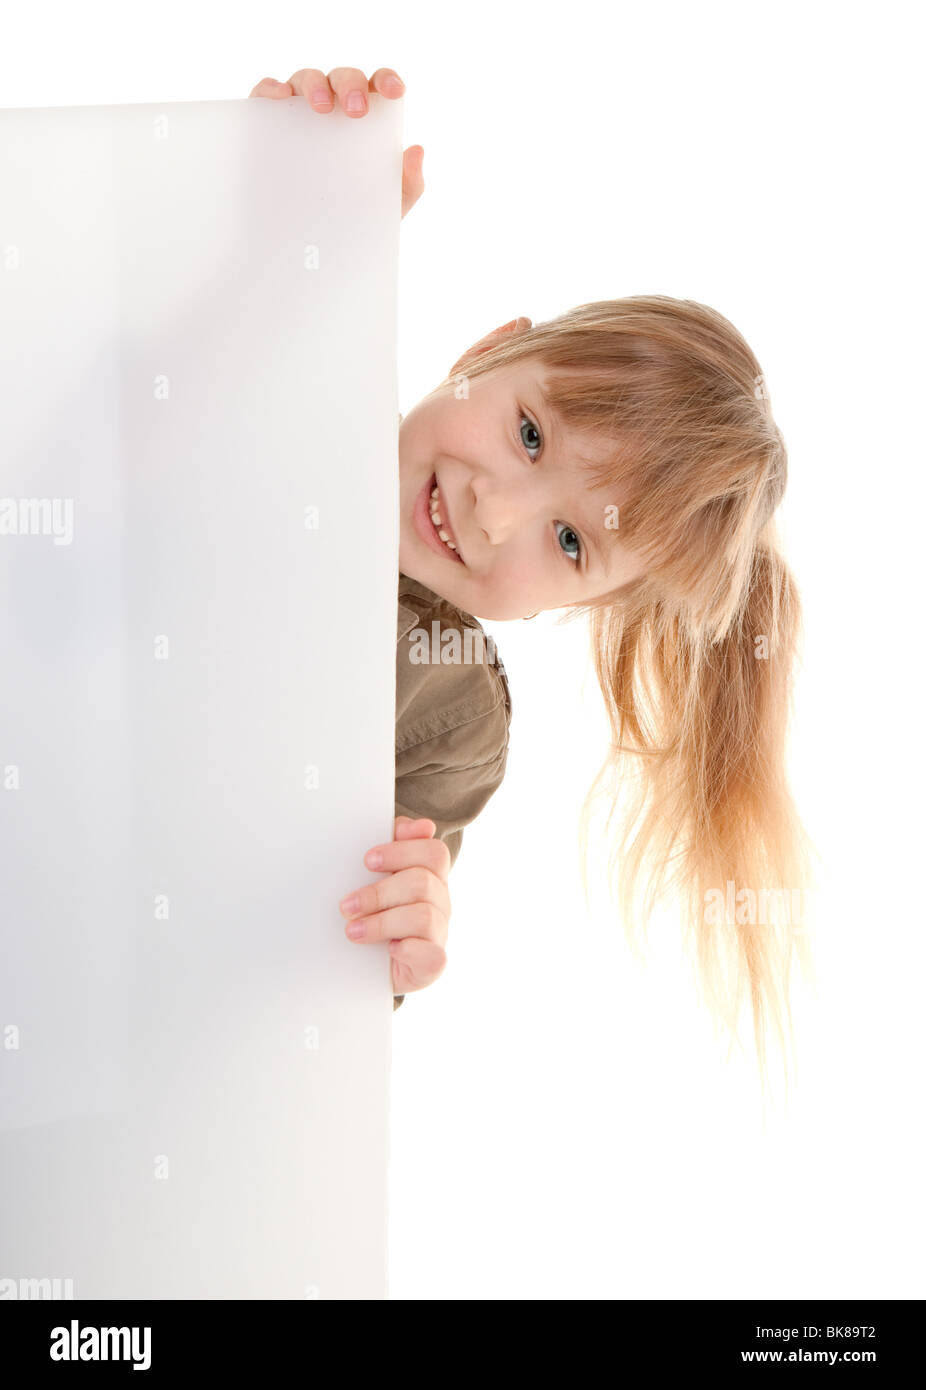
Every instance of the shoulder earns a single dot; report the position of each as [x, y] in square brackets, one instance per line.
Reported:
[453, 711]
[451, 683]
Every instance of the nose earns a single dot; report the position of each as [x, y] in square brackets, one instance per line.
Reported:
[502, 507]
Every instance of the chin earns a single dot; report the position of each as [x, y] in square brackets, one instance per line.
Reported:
[495, 615]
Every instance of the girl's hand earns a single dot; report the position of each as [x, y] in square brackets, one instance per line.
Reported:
[350, 87]
[410, 907]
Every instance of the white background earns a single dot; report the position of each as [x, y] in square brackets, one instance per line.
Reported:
[565, 1123]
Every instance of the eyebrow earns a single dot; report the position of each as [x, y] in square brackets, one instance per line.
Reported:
[552, 431]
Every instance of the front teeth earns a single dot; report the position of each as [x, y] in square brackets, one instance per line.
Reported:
[436, 517]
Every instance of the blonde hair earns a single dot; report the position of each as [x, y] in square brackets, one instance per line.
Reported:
[695, 658]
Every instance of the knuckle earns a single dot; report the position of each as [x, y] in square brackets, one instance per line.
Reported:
[306, 80]
[342, 76]
[424, 918]
[420, 883]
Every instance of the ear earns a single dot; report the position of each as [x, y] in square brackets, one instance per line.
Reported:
[518, 325]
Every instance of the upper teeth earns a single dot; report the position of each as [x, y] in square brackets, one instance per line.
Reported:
[436, 517]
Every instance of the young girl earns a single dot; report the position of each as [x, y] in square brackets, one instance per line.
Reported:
[620, 461]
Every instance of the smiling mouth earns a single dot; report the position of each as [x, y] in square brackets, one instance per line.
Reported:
[437, 511]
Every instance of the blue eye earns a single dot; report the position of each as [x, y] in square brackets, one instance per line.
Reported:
[525, 420]
[573, 555]
[568, 531]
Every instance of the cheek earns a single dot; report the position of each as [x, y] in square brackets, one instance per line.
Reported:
[515, 582]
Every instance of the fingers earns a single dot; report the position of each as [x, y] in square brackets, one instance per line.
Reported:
[312, 84]
[388, 82]
[348, 86]
[419, 919]
[410, 847]
[412, 902]
[270, 87]
[421, 823]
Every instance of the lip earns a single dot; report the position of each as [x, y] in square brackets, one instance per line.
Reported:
[421, 517]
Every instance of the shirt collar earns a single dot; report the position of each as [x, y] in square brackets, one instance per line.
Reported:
[407, 620]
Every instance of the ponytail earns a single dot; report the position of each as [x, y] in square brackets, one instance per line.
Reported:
[699, 739]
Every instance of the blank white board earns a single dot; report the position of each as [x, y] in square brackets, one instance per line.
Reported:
[198, 568]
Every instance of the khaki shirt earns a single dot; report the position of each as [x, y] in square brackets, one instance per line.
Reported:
[452, 715]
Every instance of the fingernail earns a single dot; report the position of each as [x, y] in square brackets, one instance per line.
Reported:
[355, 101]
[395, 84]
[374, 859]
[321, 97]
[355, 931]
[350, 903]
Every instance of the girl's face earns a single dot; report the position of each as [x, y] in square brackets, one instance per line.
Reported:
[530, 533]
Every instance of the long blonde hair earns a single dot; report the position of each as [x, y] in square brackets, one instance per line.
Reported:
[695, 659]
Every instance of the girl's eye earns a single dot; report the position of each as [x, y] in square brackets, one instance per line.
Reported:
[526, 420]
[574, 555]
[571, 539]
